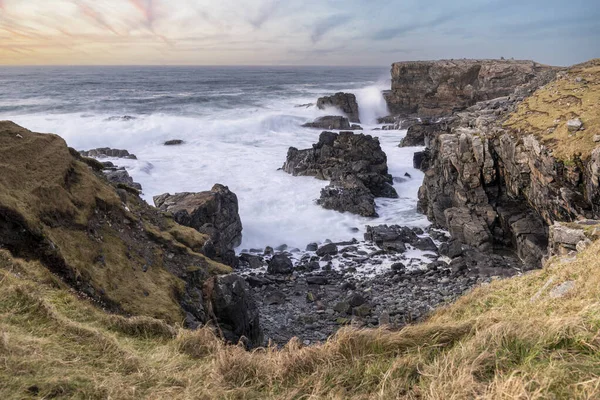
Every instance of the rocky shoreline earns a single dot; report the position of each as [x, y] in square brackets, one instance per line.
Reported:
[500, 202]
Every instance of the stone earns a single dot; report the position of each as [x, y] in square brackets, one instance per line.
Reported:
[257, 281]
[596, 138]
[342, 307]
[251, 260]
[355, 299]
[574, 125]
[562, 290]
[421, 134]
[173, 142]
[328, 249]
[235, 310]
[317, 280]
[421, 160]
[214, 212]
[398, 268]
[280, 264]
[345, 102]
[312, 247]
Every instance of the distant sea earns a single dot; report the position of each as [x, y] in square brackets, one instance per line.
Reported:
[237, 124]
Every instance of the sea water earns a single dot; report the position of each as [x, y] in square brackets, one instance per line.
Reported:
[237, 124]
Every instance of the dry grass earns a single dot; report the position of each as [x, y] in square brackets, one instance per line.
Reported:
[575, 94]
[494, 343]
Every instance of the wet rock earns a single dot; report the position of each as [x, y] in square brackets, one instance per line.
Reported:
[345, 159]
[422, 133]
[280, 264]
[317, 280]
[348, 195]
[329, 122]
[312, 247]
[251, 260]
[121, 118]
[346, 102]
[258, 281]
[328, 249]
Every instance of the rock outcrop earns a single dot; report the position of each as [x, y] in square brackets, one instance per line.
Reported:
[350, 161]
[103, 152]
[439, 88]
[346, 102]
[57, 208]
[503, 174]
[214, 213]
[332, 122]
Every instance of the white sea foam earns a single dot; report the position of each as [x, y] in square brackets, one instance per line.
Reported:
[243, 149]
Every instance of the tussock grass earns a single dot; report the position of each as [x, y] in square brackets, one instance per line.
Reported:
[505, 340]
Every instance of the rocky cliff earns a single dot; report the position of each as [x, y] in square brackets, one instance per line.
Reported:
[57, 208]
[512, 166]
[438, 88]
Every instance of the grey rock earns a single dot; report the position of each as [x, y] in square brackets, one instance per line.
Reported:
[280, 264]
[346, 102]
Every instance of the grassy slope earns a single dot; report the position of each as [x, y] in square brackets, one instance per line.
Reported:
[493, 343]
[575, 94]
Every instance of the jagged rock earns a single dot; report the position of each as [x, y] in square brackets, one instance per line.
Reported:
[420, 134]
[421, 160]
[337, 157]
[103, 152]
[213, 212]
[280, 264]
[122, 176]
[393, 238]
[235, 310]
[346, 102]
[251, 260]
[348, 195]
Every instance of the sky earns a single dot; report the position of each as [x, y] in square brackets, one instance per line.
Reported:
[294, 32]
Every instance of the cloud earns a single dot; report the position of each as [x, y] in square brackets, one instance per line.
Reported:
[96, 16]
[146, 8]
[392, 33]
[265, 13]
[326, 25]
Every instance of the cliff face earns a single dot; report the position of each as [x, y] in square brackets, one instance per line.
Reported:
[102, 240]
[495, 180]
[438, 88]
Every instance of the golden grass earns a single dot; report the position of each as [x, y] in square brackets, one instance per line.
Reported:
[505, 340]
[576, 94]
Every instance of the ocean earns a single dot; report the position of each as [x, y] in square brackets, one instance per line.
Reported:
[237, 124]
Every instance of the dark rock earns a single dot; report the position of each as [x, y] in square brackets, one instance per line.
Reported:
[346, 102]
[348, 195]
[312, 247]
[421, 134]
[398, 268]
[214, 213]
[280, 264]
[328, 249]
[337, 157]
[317, 280]
[257, 281]
[355, 300]
[329, 122]
[173, 142]
[421, 160]
[121, 118]
[251, 260]
[235, 310]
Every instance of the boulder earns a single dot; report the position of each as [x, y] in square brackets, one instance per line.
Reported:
[346, 102]
[235, 310]
[280, 264]
[574, 125]
[213, 212]
[328, 249]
